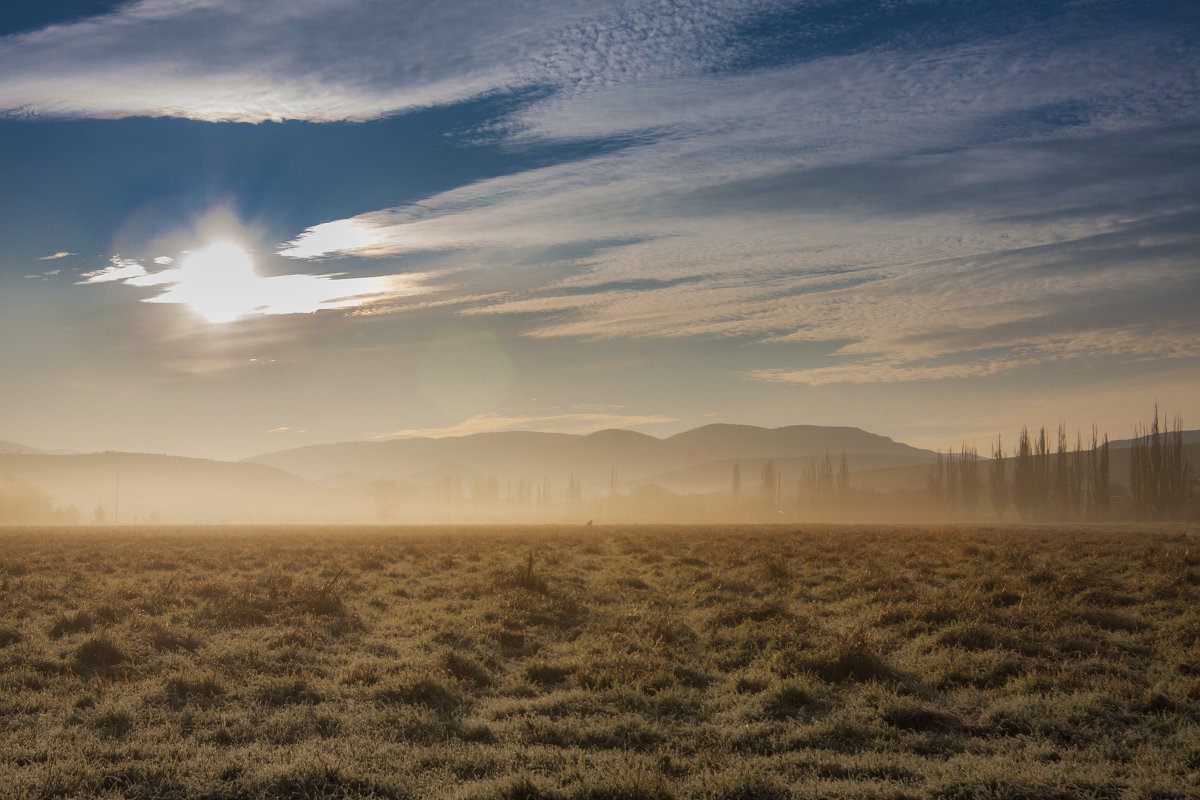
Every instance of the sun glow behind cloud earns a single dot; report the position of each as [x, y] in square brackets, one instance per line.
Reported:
[220, 284]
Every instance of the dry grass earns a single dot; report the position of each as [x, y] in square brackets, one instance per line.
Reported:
[631, 662]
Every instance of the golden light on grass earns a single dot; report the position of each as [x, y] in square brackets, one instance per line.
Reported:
[655, 662]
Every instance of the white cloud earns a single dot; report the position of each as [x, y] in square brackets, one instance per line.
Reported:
[887, 202]
[221, 285]
[315, 60]
[55, 256]
[119, 270]
[551, 423]
[913, 208]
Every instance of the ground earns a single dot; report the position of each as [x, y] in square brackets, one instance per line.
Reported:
[590, 662]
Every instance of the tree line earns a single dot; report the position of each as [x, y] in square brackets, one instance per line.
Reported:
[1065, 481]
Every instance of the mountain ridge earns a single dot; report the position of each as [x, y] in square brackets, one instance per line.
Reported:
[591, 457]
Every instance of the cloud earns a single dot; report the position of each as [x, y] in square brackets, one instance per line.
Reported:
[54, 256]
[905, 205]
[220, 284]
[119, 270]
[948, 202]
[320, 61]
[552, 423]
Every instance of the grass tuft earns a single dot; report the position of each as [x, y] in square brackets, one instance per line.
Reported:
[423, 692]
[98, 653]
[181, 691]
[79, 622]
[286, 691]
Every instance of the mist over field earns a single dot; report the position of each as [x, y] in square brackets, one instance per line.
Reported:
[733, 473]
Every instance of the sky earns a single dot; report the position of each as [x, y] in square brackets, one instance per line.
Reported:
[229, 228]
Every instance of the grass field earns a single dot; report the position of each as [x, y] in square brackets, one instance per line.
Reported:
[633, 662]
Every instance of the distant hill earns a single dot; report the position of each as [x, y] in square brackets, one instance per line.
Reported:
[13, 447]
[1189, 437]
[145, 485]
[696, 460]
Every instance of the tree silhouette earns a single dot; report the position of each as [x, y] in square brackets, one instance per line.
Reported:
[1160, 478]
[737, 484]
[383, 494]
[969, 483]
[998, 479]
[770, 485]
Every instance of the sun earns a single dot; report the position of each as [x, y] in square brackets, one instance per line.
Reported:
[219, 282]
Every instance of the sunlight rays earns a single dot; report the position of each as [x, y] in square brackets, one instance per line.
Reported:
[220, 284]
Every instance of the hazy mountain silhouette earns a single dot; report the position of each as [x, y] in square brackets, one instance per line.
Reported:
[437, 478]
[1189, 437]
[146, 484]
[13, 447]
[689, 461]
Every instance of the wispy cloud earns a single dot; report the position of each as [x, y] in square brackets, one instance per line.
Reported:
[886, 202]
[309, 59]
[931, 207]
[552, 423]
[119, 270]
[55, 256]
[222, 293]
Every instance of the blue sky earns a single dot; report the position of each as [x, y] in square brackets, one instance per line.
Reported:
[933, 220]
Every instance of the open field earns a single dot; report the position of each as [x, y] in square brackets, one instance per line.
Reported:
[630, 662]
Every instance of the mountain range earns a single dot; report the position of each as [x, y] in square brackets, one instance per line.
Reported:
[688, 461]
[338, 482]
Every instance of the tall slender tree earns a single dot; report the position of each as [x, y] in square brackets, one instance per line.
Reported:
[935, 481]
[969, 484]
[998, 479]
[1025, 479]
[1159, 477]
[770, 485]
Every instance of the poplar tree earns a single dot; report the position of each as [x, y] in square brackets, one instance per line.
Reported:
[998, 479]
[769, 484]
[968, 479]
[1025, 478]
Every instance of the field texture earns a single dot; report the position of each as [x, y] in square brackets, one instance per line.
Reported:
[593, 663]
